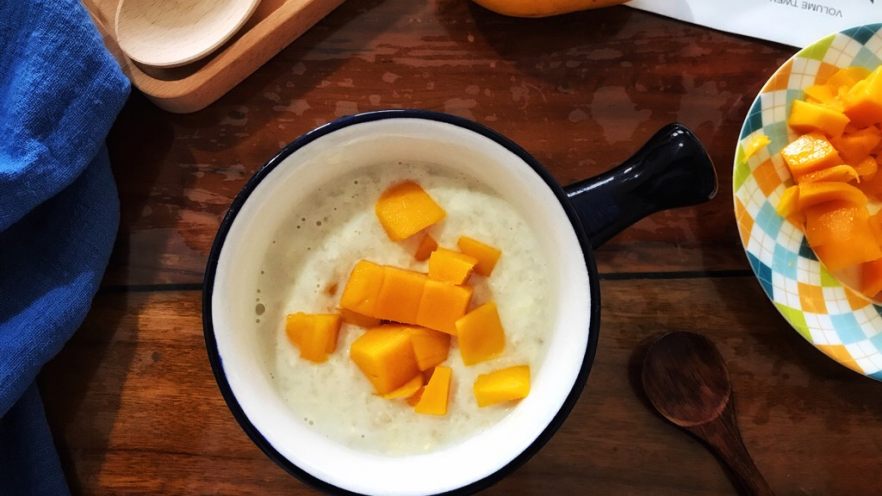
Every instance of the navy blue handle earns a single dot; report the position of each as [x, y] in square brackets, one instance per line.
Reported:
[671, 170]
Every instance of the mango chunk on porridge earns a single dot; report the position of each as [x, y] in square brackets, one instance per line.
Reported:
[448, 265]
[512, 383]
[442, 304]
[435, 396]
[385, 355]
[806, 117]
[405, 209]
[407, 390]
[314, 334]
[362, 288]
[486, 255]
[358, 319]
[400, 295]
[480, 334]
[809, 153]
[430, 347]
[425, 248]
[863, 101]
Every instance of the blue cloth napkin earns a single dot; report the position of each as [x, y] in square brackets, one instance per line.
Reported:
[59, 93]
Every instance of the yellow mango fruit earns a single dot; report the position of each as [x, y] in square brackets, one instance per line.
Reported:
[856, 146]
[811, 194]
[486, 255]
[429, 347]
[407, 390]
[809, 153]
[314, 334]
[451, 266]
[863, 102]
[425, 248]
[787, 205]
[442, 304]
[542, 8]
[400, 295]
[405, 209]
[385, 355]
[871, 278]
[847, 77]
[837, 173]
[435, 395]
[358, 319]
[363, 288]
[821, 93]
[867, 169]
[480, 334]
[512, 383]
[754, 143]
[806, 117]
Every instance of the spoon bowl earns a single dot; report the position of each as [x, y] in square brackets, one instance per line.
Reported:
[171, 33]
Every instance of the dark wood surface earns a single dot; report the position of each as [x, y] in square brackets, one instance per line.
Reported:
[131, 399]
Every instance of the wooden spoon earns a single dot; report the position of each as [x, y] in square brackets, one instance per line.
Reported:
[170, 33]
[687, 382]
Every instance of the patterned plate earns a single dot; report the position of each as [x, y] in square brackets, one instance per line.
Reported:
[837, 321]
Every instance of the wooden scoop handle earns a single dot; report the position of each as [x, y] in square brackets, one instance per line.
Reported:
[723, 437]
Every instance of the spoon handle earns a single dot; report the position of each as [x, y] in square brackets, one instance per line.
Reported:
[722, 435]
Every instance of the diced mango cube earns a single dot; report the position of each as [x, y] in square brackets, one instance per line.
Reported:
[811, 194]
[363, 288]
[856, 146]
[838, 173]
[314, 334]
[512, 383]
[430, 347]
[413, 399]
[821, 93]
[442, 304]
[400, 295]
[407, 390]
[847, 76]
[451, 266]
[358, 319]
[405, 209]
[841, 235]
[863, 102]
[385, 356]
[867, 168]
[435, 396]
[486, 255]
[425, 248]
[480, 334]
[871, 278]
[787, 205]
[809, 153]
[754, 143]
[806, 117]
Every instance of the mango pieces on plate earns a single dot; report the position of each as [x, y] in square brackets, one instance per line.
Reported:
[835, 164]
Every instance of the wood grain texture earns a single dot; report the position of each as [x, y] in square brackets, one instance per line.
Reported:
[579, 92]
[135, 409]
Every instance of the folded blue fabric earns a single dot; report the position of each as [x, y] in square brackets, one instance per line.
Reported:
[59, 93]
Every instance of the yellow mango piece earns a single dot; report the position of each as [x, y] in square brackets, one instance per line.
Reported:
[841, 235]
[314, 334]
[430, 347]
[407, 390]
[856, 146]
[806, 117]
[811, 194]
[863, 102]
[425, 248]
[787, 205]
[867, 168]
[400, 295]
[451, 266]
[847, 77]
[480, 334]
[821, 93]
[808, 153]
[486, 255]
[512, 383]
[385, 356]
[442, 304]
[363, 288]
[434, 398]
[837, 173]
[358, 319]
[754, 143]
[871, 278]
[405, 209]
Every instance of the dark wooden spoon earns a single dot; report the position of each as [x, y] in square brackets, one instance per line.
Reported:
[687, 382]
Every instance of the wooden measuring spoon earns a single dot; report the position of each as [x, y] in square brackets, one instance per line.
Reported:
[687, 382]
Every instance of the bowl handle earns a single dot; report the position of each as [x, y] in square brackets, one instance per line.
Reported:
[671, 170]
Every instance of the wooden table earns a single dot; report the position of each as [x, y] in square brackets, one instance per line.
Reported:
[132, 401]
